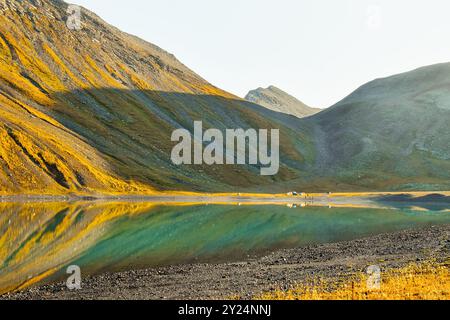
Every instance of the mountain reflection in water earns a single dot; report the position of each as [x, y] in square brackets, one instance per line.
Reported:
[39, 240]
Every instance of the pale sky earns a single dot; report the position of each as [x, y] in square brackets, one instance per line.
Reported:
[317, 50]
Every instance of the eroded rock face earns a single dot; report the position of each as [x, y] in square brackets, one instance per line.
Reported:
[280, 101]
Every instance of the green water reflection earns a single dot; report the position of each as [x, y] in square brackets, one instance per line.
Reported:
[38, 241]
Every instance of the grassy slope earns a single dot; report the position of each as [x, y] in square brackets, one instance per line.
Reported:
[92, 111]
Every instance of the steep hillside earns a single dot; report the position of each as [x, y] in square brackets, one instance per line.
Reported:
[93, 110]
[280, 101]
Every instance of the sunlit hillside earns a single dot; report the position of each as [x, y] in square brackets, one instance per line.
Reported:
[92, 111]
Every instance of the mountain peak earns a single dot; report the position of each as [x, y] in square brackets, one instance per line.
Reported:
[275, 99]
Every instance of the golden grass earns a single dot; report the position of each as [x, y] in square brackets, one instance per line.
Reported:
[427, 281]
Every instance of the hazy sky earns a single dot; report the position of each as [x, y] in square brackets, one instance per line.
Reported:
[317, 50]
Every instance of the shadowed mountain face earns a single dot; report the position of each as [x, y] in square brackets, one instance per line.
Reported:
[92, 111]
[280, 101]
[137, 142]
[396, 128]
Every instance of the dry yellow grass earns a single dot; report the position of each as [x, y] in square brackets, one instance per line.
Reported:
[427, 281]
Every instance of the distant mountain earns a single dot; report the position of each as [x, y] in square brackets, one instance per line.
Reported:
[92, 112]
[280, 101]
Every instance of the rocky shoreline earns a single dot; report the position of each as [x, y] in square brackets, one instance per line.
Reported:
[247, 279]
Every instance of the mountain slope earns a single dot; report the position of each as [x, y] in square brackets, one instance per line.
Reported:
[390, 132]
[280, 101]
[93, 110]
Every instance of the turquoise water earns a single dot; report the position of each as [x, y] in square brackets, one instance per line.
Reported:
[38, 239]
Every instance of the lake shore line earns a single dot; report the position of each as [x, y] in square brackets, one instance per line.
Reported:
[330, 200]
[195, 197]
[279, 270]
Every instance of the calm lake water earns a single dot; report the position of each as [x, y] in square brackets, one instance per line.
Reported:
[39, 240]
